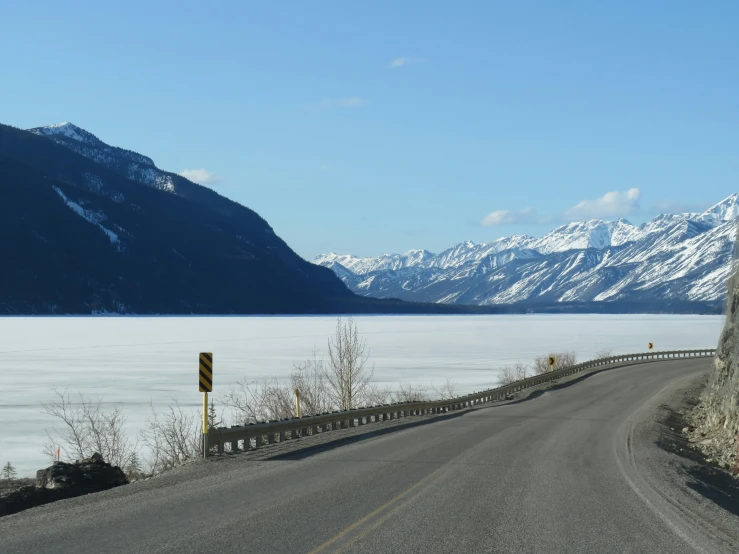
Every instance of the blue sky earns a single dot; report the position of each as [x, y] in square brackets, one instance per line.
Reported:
[388, 125]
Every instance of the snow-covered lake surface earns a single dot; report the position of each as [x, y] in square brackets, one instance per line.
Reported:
[130, 361]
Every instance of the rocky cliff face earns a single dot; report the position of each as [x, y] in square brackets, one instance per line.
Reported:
[717, 416]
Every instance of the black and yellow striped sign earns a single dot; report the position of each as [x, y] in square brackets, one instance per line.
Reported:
[552, 361]
[206, 372]
[651, 345]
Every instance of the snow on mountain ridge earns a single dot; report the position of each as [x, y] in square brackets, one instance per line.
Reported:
[674, 256]
[725, 210]
[130, 164]
[85, 143]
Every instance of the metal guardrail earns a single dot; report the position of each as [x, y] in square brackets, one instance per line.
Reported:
[254, 435]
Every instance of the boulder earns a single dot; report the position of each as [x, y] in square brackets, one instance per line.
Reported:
[63, 480]
[84, 476]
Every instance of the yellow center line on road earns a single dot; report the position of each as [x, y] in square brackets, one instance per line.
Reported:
[390, 507]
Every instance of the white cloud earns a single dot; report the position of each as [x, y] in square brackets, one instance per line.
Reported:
[611, 204]
[200, 176]
[400, 62]
[350, 102]
[511, 217]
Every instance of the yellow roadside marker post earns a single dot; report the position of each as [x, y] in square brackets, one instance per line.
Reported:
[297, 407]
[552, 361]
[205, 385]
[651, 345]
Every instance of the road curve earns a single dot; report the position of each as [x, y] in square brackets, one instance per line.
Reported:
[557, 473]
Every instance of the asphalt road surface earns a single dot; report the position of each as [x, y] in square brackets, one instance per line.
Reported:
[572, 470]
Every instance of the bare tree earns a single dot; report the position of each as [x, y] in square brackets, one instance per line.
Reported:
[603, 353]
[348, 375]
[408, 392]
[512, 373]
[172, 437]
[87, 429]
[445, 391]
[561, 361]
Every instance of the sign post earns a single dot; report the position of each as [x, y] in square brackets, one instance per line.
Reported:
[651, 345]
[205, 382]
[297, 402]
[552, 361]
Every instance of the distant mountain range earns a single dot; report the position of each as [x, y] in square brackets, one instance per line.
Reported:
[673, 259]
[89, 228]
[86, 227]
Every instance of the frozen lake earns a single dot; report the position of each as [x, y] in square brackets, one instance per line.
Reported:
[132, 361]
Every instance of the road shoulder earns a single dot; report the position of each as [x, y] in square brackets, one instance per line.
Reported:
[699, 500]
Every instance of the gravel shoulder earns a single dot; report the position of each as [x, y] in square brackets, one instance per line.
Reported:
[690, 493]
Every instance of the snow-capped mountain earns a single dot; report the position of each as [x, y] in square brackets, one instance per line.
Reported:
[130, 165]
[684, 256]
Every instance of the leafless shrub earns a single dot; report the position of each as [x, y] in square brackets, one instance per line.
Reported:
[348, 375]
[512, 373]
[445, 391]
[377, 396]
[561, 361]
[87, 429]
[49, 449]
[311, 379]
[251, 401]
[408, 392]
[277, 401]
[603, 353]
[172, 437]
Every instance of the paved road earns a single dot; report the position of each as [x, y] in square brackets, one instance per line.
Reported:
[558, 473]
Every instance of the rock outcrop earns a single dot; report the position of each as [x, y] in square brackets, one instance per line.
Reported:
[63, 480]
[717, 416]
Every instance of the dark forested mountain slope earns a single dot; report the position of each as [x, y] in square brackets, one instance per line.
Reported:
[78, 236]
